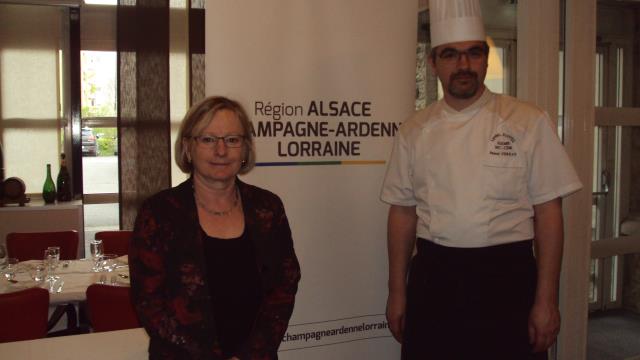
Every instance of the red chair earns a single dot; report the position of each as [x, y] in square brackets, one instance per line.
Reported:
[110, 308]
[115, 242]
[24, 315]
[31, 246]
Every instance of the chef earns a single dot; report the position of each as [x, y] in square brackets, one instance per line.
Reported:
[475, 183]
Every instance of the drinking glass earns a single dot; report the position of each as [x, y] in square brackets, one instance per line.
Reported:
[107, 262]
[38, 272]
[96, 249]
[50, 262]
[55, 285]
[10, 269]
[55, 250]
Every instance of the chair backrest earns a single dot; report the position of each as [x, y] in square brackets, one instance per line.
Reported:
[110, 308]
[31, 246]
[115, 242]
[24, 315]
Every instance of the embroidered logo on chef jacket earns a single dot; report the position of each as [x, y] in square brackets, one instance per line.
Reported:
[502, 144]
[504, 168]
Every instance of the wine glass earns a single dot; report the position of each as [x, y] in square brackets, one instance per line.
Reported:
[96, 249]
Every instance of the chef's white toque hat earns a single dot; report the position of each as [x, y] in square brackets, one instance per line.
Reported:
[455, 21]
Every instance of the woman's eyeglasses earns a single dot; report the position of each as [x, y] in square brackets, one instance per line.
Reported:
[210, 141]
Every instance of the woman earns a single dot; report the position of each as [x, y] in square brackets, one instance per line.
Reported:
[213, 269]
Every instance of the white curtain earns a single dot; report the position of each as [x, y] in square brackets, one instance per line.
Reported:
[32, 43]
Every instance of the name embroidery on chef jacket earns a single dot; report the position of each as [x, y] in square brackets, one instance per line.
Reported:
[501, 145]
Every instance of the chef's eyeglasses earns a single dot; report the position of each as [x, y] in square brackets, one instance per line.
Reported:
[210, 141]
[451, 55]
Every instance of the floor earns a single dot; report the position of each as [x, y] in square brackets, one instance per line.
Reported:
[613, 335]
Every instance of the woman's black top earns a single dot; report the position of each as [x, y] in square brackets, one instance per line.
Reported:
[234, 284]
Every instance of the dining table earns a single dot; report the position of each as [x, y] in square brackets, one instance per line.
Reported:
[73, 278]
[130, 344]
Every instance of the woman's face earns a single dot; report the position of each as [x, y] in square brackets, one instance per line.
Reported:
[215, 161]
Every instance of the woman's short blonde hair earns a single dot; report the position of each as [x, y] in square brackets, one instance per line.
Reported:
[199, 117]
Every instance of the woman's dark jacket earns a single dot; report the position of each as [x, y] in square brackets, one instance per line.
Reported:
[169, 289]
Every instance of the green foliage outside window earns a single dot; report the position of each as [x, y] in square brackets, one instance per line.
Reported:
[98, 84]
[107, 140]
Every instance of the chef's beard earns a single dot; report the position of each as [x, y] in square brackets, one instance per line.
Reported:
[463, 92]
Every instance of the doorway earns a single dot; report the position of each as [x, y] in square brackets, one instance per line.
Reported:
[614, 293]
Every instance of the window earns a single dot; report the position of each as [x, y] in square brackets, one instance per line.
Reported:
[98, 74]
[33, 103]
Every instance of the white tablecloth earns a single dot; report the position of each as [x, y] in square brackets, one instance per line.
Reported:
[129, 344]
[76, 277]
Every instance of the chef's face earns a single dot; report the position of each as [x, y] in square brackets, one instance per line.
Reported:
[461, 67]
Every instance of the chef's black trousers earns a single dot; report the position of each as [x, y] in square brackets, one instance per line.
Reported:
[470, 303]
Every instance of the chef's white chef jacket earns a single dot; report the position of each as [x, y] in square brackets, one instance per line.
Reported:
[474, 175]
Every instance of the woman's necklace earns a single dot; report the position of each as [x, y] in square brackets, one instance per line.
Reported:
[219, 213]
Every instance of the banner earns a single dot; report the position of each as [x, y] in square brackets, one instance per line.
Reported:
[326, 85]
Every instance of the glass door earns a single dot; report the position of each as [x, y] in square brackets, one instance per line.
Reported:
[614, 293]
[604, 289]
[98, 69]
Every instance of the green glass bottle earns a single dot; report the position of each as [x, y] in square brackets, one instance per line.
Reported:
[63, 182]
[49, 188]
